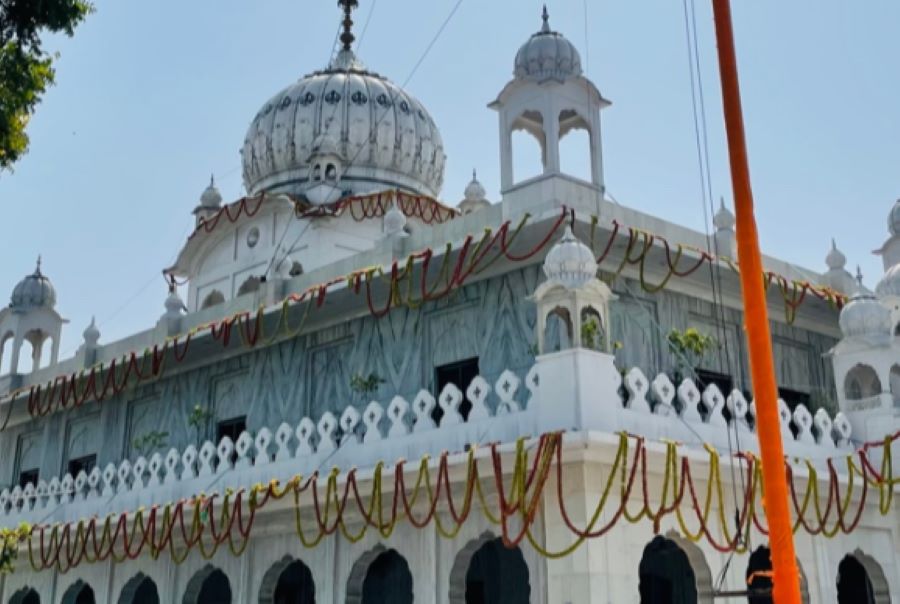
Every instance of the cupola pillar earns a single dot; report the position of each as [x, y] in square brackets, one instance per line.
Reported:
[548, 97]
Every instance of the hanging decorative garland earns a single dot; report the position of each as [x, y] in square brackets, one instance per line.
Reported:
[473, 258]
[205, 523]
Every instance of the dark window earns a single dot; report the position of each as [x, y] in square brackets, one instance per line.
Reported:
[28, 476]
[497, 575]
[665, 574]
[295, 585]
[723, 381]
[215, 589]
[388, 580]
[85, 463]
[794, 397]
[459, 374]
[232, 428]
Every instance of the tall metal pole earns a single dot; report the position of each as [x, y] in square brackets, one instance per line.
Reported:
[786, 579]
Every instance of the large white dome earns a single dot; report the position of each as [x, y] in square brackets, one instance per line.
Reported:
[382, 137]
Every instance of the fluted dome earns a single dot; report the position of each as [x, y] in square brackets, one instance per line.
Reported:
[211, 198]
[379, 136]
[34, 291]
[890, 283]
[835, 260]
[547, 55]
[724, 219]
[570, 262]
[474, 196]
[894, 219]
[865, 316]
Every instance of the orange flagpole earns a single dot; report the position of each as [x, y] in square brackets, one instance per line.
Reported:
[786, 588]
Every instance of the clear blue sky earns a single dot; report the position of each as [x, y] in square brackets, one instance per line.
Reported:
[153, 96]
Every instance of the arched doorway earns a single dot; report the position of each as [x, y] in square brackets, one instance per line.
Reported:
[208, 586]
[380, 576]
[140, 589]
[79, 593]
[288, 581]
[759, 582]
[666, 576]
[497, 575]
[853, 583]
[26, 595]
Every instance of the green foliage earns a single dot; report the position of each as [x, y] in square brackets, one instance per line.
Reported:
[689, 346]
[26, 70]
[150, 442]
[365, 384]
[590, 334]
[197, 419]
[10, 538]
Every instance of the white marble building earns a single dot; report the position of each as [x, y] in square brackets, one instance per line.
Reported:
[339, 316]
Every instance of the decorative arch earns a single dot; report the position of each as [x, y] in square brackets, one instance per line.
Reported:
[79, 593]
[576, 145]
[861, 580]
[861, 382]
[26, 595]
[213, 298]
[140, 589]
[593, 331]
[296, 269]
[250, 285]
[380, 574]
[677, 567]
[209, 584]
[507, 565]
[288, 581]
[761, 561]
[6, 346]
[558, 330]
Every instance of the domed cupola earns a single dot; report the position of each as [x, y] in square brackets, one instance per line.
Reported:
[864, 316]
[570, 262]
[34, 291]
[547, 55]
[380, 136]
[889, 285]
[474, 196]
[894, 219]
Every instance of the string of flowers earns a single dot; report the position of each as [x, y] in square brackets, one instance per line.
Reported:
[400, 282]
[207, 522]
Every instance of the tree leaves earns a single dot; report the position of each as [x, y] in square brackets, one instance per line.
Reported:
[26, 70]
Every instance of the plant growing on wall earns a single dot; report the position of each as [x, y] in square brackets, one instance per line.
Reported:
[590, 334]
[147, 443]
[689, 347]
[10, 538]
[365, 384]
[197, 419]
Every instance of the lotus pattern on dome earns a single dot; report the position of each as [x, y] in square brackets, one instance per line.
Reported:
[385, 135]
[890, 283]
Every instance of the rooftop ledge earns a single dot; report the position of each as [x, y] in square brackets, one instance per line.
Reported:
[554, 396]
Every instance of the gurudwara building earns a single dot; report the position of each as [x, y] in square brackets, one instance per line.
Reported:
[357, 393]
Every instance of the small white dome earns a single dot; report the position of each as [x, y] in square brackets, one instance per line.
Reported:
[547, 55]
[174, 303]
[211, 198]
[570, 262]
[865, 316]
[724, 219]
[34, 291]
[394, 221]
[91, 334]
[890, 283]
[894, 219]
[835, 259]
[474, 197]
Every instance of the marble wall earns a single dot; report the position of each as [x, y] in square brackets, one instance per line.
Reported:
[492, 320]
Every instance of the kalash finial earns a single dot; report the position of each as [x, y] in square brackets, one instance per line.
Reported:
[347, 36]
[37, 269]
[859, 277]
[545, 28]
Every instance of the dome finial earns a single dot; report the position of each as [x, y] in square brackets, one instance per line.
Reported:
[474, 175]
[545, 28]
[859, 277]
[37, 268]
[347, 36]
